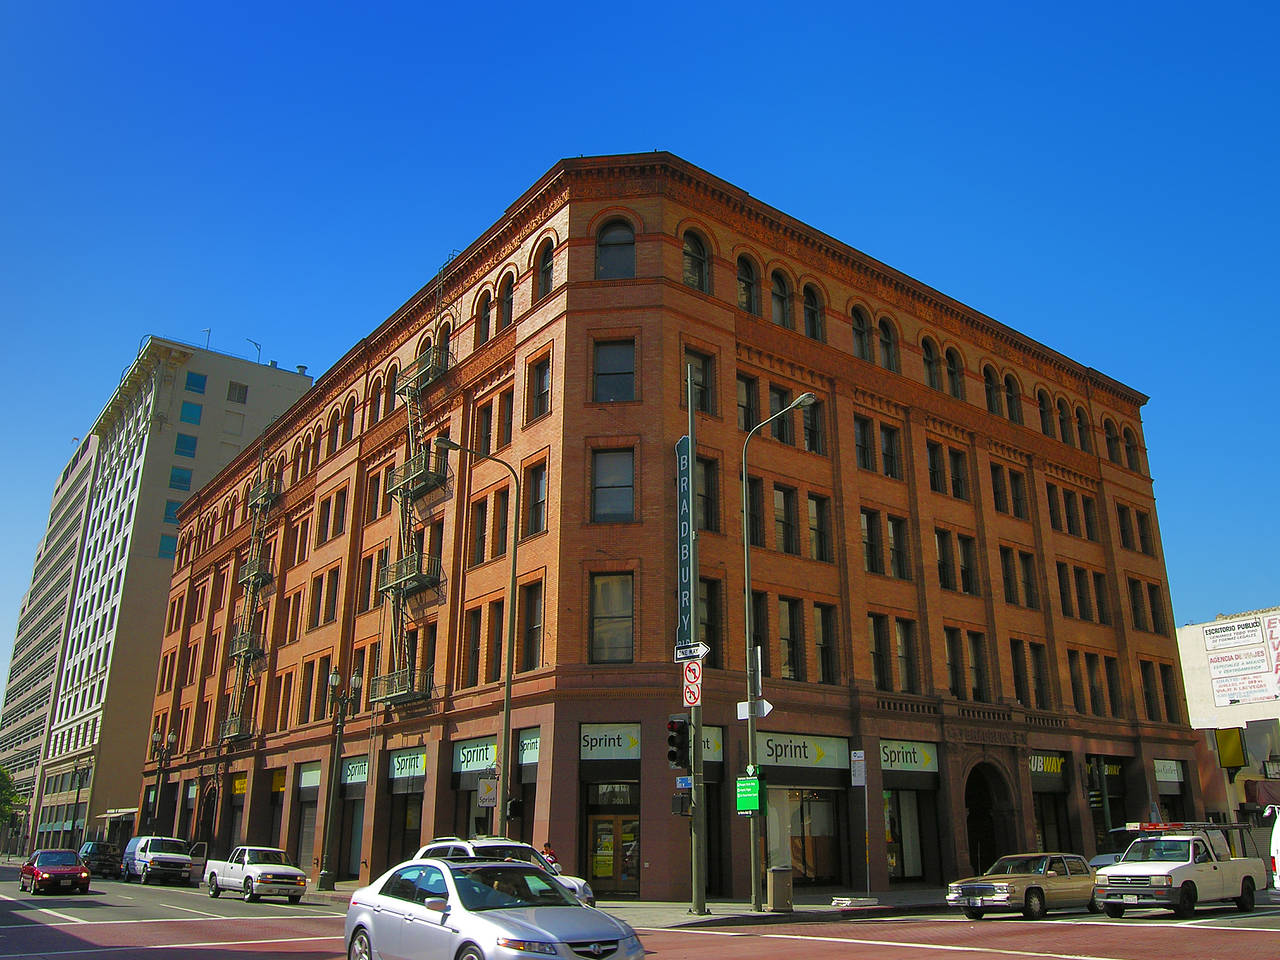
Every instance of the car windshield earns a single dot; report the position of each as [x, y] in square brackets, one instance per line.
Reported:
[1166, 851]
[1007, 865]
[57, 858]
[269, 856]
[506, 887]
[167, 846]
[513, 851]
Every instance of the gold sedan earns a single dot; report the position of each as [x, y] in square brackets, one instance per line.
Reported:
[1032, 883]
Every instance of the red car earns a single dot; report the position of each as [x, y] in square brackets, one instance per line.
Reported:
[54, 870]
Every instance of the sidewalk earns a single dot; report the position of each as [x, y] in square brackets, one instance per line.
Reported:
[809, 907]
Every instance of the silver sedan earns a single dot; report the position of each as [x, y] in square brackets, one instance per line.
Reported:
[479, 910]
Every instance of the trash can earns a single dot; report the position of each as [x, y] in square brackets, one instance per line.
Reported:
[778, 890]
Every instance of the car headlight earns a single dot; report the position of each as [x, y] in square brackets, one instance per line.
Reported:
[1162, 881]
[587, 891]
[1100, 882]
[952, 890]
[1001, 887]
[528, 946]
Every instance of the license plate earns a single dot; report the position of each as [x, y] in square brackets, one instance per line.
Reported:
[975, 901]
[64, 883]
[1130, 898]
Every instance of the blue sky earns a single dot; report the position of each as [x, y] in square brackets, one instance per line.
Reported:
[1101, 178]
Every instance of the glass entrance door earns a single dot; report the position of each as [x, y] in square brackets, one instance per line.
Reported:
[613, 854]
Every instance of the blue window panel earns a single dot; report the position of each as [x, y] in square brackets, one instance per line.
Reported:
[179, 478]
[196, 382]
[168, 545]
[191, 412]
[185, 445]
[171, 510]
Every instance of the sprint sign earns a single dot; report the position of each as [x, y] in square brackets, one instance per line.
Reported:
[692, 685]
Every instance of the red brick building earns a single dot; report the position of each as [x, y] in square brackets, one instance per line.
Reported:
[956, 565]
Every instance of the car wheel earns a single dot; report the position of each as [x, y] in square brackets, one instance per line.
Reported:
[1092, 906]
[1113, 910]
[1186, 900]
[1244, 902]
[973, 913]
[85, 888]
[145, 876]
[22, 883]
[471, 953]
[359, 948]
[1033, 906]
[249, 895]
[214, 890]
[295, 899]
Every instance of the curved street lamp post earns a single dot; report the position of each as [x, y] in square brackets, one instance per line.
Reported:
[162, 750]
[341, 702]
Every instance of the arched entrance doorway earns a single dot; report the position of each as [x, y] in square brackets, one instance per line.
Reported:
[988, 816]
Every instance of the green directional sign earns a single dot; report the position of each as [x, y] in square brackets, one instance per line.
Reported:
[748, 796]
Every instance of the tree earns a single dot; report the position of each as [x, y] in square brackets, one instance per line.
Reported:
[11, 801]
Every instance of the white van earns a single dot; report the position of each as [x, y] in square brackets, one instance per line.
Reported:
[1273, 810]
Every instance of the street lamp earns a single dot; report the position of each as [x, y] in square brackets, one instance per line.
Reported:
[341, 702]
[504, 774]
[753, 654]
[162, 750]
[78, 774]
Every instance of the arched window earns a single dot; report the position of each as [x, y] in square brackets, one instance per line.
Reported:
[1046, 413]
[393, 384]
[955, 374]
[615, 251]
[483, 311]
[696, 274]
[349, 421]
[333, 435]
[991, 383]
[748, 287]
[444, 346]
[545, 263]
[1113, 441]
[1131, 450]
[297, 472]
[1013, 397]
[862, 336]
[888, 346]
[375, 401]
[506, 302]
[1082, 430]
[780, 297]
[932, 366]
[813, 327]
[277, 474]
[1064, 424]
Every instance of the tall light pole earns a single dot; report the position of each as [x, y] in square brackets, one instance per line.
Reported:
[753, 654]
[341, 703]
[78, 774]
[508, 658]
[162, 750]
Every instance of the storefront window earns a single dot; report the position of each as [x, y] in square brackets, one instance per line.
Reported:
[902, 834]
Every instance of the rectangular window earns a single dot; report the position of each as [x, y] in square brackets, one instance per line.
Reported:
[1090, 518]
[1084, 606]
[615, 372]
[1021, 689]
[612, 618]
[539, 388]
[373, 497]
[179, 478]
[191, 413]
[1072, 509]
[890, 452]
[760, 630]
[501, 530]
[755, 511]
[1077, 681]
[1030, 590]
[479, 531]
[820, 528]
[946, 560]
[339, 513]
[701, 367]
[1040, 675]
[1018, 494]
[1138, 604]
[825, 639]
[811, 419]
[706, 486]
[184, 445]
[1114, 694]
[1146, 541]
[1008, 575]
[959, 474]
[937, 470]
[955, 662]
[317, 600]
[711, 620]
[782, 428]
[968, 565]
[1064, 590]
[878, 637]
[979, 688]
[786, 536]
[1150, 694]
[863, 444]
[791, 639]
[506, 416]
[1158, 623]
[612, 486]
[1093, 668]
[364, 584]
[1169, 685]
[171, 510]
[535, 480]
[1125, 518]
[899, 548]
[748, 403]
[908, 656]
[872, 550]
[493, 663]
[1100, 597]
[999, 493]
[237, 392]
[1055, 510]
[484, 428]
[331, 595]
[531, 634]
[475, 640]
[168, 546]
[196, 382]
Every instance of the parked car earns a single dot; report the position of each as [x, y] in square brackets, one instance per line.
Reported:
[478, 910]
[54, 870]
[256, 872]
[155, 858]
[501, 848]
[1032, 883]
[101, 857]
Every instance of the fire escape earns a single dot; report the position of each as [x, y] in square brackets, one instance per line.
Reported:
[246, 645]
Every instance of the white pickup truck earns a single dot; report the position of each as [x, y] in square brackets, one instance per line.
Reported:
[1176, 866]
[256, 872]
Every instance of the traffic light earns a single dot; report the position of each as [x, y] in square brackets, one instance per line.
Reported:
[515, 808]
[678, 742]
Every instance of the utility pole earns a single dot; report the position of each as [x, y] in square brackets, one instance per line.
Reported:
[698, 807]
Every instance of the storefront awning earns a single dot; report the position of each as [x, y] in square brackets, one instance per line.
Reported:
[119, 813]
[1262, 792]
